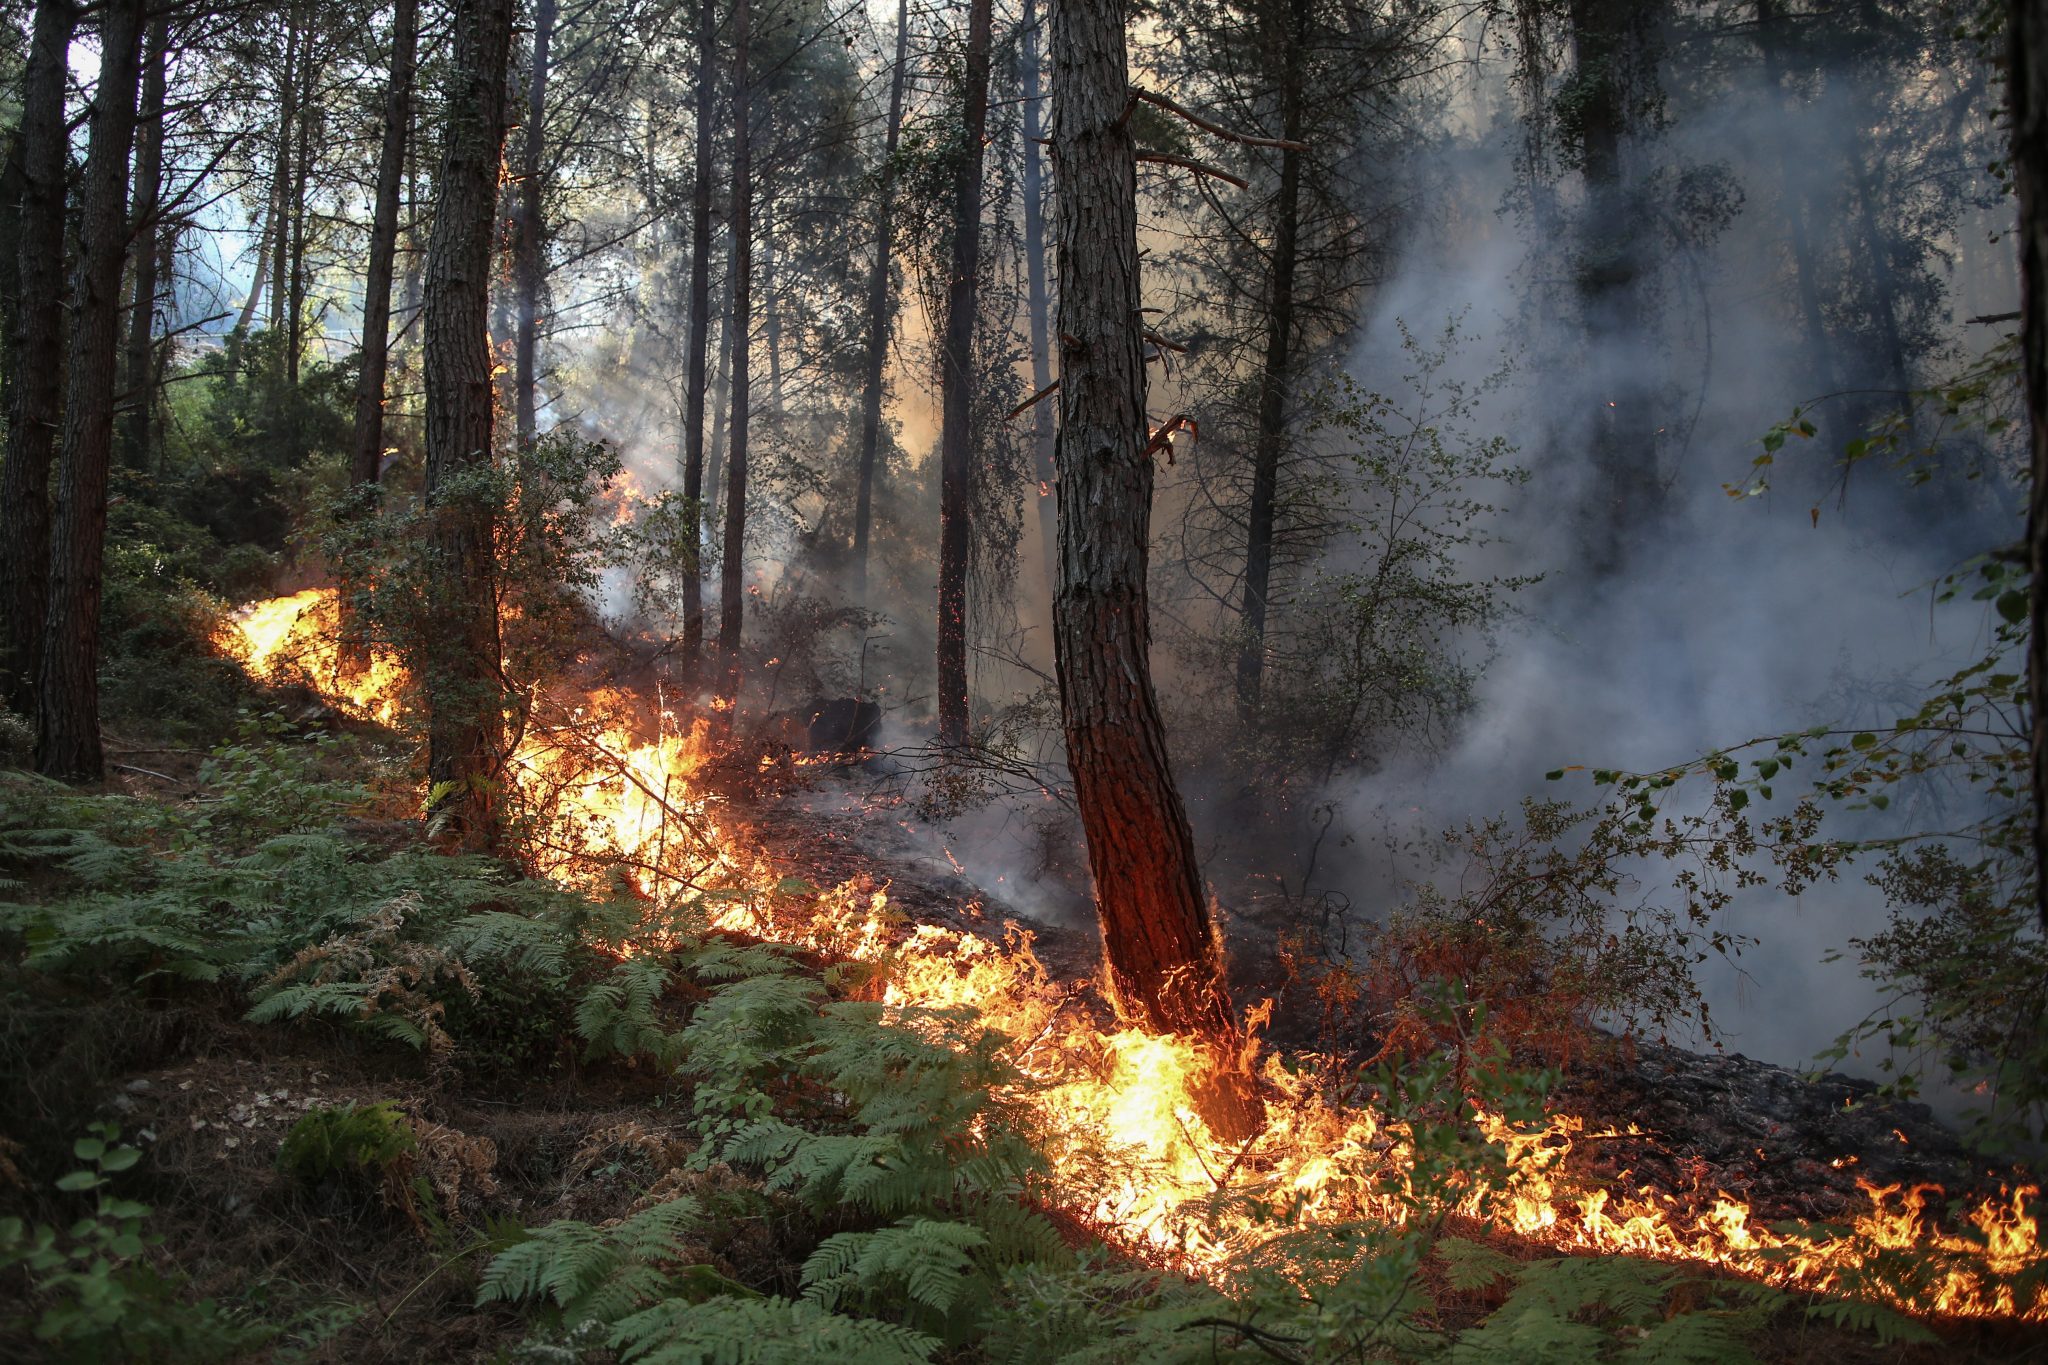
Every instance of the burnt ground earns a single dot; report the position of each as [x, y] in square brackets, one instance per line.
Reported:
[1710, 1123]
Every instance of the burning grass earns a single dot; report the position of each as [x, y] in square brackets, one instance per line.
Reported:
[1113, 1108]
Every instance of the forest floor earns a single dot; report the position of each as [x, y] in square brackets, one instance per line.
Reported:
[517, 1130]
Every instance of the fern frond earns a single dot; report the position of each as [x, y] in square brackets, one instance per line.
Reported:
[593, 1273]
[735, 1331]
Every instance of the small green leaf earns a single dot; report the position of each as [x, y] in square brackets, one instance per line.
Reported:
[88, 1148]
[2012, 605]
[1863, 741]
[78, 1180]
[120, 1159]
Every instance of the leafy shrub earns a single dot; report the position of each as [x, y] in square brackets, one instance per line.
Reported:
[89, 1294]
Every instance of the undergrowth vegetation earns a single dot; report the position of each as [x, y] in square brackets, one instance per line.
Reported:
[839, 1178]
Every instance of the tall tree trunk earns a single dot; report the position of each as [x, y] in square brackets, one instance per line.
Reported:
[139, 377]
[1275, 374]
[880, 316]
[284, 207]
[957, 383]
[67, 695]
[2027, 95]
[732, 598]
[1038, 297]
[771, 312]
[1795, 202]
[261, 274]
[700, 337]
[1165, 966]
[36, 394]
[366, 448]
[465, 727]
[526, 231]
[721, 390]
[302, 177]
[1607, 43]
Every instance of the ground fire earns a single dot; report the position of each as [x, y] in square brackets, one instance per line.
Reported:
[638, 803]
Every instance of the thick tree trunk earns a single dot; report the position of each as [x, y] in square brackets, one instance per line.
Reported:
[366, 447]
[67, 695]
[956, 377]
[1165, 965]
[2027, 96]
[880, 316]
[732, 598]
[465, 728]
[1271, 439]
[1038, 298]
[700, 337]
[527, 231]
[36, 393]
[139, 375]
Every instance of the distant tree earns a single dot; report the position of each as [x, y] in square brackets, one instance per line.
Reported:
[460, 656]
[2027, 93]
[880, 314]
[699, 339]
[367, 449]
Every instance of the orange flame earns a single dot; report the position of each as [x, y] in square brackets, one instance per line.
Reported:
[1116, 1109]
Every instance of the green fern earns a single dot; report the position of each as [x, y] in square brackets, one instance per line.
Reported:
[1861, 1315]
[926, 1264]
[616, 1016]
[763, 1331]
[590, 1272]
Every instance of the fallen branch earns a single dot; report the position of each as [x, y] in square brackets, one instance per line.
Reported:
[1032, 401]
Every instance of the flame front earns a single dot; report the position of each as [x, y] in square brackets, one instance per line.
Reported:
[1115, 1107]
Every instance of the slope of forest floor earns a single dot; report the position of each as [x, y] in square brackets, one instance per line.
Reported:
[530, 1116]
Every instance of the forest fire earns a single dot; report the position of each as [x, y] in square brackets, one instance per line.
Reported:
[1115, 1108]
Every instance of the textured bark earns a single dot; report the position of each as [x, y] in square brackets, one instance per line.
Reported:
[1038, 298]
[1274, 374]
[721, 390]
[739, 340]
[36, 391]
[366, 448]
[67, 693]
[1165, 965]
[2027, 72]
[700, 337]
[956, 379]
[771, 313]
[465, 730]
[881, 315]
[304, 126]
[139, 374]
[527, 227]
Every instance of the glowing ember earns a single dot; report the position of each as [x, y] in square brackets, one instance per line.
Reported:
[1115, 1106]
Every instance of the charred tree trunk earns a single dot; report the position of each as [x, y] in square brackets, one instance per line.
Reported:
[700, 337]
[366, 448]
[1038, 299]
[139, 378]
[739, 338]
[67, 694]
[1275, 373]
[880, 315]
[1165, 965]
[465, 729]
[526, 231]
[2027, 54]
[36, 391]
[956, 433]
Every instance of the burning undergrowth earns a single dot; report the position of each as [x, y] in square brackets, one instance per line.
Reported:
[611, 787]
